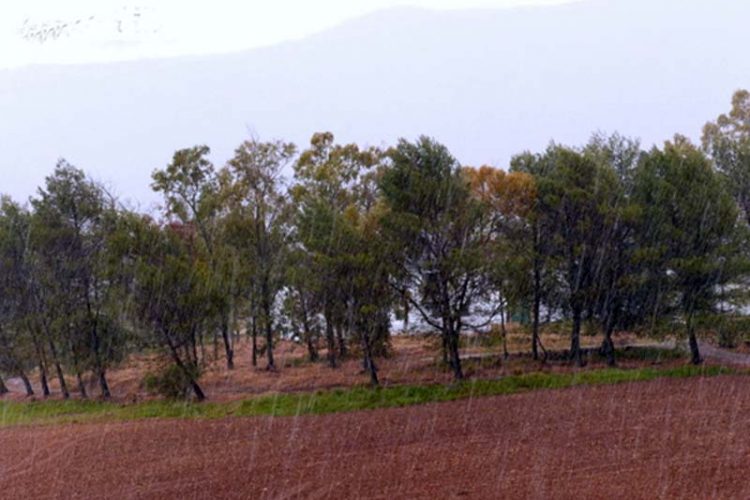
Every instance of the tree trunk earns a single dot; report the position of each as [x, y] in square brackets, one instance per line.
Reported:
[535, 313]
[229, 351]
[455, 358]
[41, 362]
[504, 331]
[271, 365]
[267, 324]
[199, 395]
[100, 370]
[537, 300]
[406, 312]
[608, 345]
[575, 338]
[341, 342]
[43, 379]
[330, 340]
[58, 370]
[26, 383]
[216, 344]
[312, 350]
[81, 386]
[445, 349]
[106, 394]
[696, 358]
[369, 361]
[254, 331]
[608, 349]
[3, 387]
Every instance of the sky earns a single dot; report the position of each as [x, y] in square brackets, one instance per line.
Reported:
[518, 79]
[86, 31]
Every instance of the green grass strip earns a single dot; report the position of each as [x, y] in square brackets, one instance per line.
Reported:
[335, 401]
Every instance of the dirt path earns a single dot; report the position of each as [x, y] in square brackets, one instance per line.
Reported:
[723, 356]
[669, 438]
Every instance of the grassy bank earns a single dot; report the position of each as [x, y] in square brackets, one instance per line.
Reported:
[342, 400]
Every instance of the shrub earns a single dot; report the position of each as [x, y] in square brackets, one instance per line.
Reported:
[727, 329]
[171, 382]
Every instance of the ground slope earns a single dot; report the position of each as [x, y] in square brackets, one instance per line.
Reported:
[670, 438]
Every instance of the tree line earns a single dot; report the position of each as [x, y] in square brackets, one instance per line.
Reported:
[605, 236]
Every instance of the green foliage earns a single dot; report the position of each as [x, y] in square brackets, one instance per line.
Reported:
[603, 237]
[257, 226]
[77, 287]
[438, 236]
[190, 187]
[727, 140]
[729, 330]
[340, 245]
[172, 382]
[689, 222]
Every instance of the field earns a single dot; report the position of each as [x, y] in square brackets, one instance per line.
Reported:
[666, 438]
[652, 428]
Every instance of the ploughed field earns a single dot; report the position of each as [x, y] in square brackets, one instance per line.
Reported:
[665, 438]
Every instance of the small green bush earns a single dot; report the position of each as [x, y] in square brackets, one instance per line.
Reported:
[172, 382]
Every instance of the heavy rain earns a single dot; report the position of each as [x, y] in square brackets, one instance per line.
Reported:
[352, 316]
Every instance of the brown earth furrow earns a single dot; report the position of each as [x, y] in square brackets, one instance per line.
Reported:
[662, 439]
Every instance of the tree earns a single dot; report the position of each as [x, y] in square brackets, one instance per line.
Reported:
[302, 302]
[17, 345]
[172, 291]
[73, 221]
[259, 223]
[616, 252]
[727, 140]
[691, 226]
[575, 194]
[193, 196]
[438, 237]
[507, 200]
[369, 284]
[332, 179]
[533, 250]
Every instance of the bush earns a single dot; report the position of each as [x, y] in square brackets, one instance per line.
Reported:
[171, 382]
[727, 329]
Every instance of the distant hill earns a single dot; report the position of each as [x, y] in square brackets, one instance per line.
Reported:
[488, 83]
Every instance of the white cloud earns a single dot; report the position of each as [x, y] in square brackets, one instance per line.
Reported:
[51, 31]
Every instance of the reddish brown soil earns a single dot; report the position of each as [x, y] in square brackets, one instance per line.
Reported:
[669, 439]
[414, 360]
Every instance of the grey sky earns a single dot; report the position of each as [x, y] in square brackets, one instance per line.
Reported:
[489, 84]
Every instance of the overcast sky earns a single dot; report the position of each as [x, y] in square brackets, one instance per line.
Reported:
[74, 31]
[509, 80]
